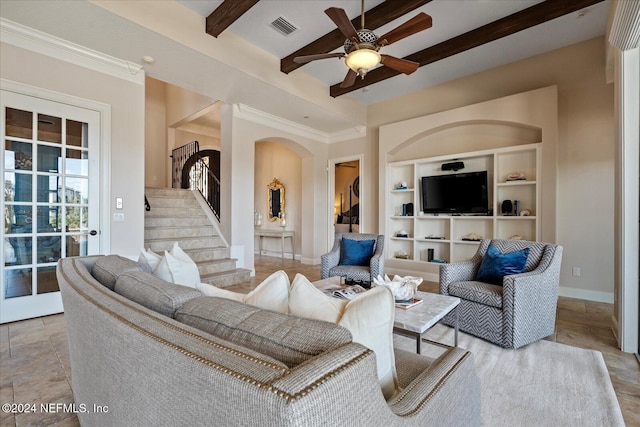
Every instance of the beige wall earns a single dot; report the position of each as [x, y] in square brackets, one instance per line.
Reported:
[155, 134]
[274, 160]
[167, 107]
[585, 156]
[126, 99]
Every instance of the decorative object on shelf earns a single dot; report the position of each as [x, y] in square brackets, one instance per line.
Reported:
[402, 185]
[452, 166]
[430, 254]
[525, 212]
[516, 176]
[401, 255]
[420, 213]
[257, 219]
[275, 200]
[516, 207]
[472, 237]
[506, 207]
[402, 233]
[403, 288]
[283, 221]
[516, 237]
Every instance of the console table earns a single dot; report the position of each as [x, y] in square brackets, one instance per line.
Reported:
[280, 235]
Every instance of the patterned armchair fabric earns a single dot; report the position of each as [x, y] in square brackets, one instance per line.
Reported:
[519, 312]
[331, 261]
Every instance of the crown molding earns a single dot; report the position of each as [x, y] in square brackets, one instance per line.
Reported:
[260, 117]
[46, 44]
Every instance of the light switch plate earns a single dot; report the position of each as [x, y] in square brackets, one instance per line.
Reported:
[118, 202]
[118, 217]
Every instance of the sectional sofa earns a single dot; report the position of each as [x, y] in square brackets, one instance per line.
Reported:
[137, 359]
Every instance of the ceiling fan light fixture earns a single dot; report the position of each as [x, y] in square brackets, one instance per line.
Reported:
[362, 60]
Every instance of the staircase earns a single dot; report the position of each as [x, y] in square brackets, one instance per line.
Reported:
[177, 216]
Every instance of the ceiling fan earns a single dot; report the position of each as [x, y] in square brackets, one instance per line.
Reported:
[361, 47]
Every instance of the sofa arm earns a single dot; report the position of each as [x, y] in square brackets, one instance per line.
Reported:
[376, 264]
[456, 272]
[447, 393]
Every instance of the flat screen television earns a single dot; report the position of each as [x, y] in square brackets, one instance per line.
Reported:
[456, 193]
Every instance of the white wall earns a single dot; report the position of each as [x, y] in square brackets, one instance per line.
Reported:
[127, 130]
[155, 134]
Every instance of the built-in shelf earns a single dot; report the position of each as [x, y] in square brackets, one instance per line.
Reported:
[499, 164]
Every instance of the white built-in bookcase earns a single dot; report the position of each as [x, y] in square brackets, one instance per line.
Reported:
[450, 229]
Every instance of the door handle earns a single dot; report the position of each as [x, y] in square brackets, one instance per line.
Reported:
[93, 232]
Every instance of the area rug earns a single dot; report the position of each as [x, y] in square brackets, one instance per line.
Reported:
[542, 384]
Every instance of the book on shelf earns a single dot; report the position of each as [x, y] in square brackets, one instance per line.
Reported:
[407, 304]
[347, 293]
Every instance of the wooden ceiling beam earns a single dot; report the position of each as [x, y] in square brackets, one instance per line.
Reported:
[374, 18]
[226, 14]
[526, 18]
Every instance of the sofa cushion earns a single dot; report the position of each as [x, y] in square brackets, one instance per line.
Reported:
[154, 293]
[108, 268]
[369, 318]
[289, 339]
[271, 294]
[495, 265]
[357, 252]
[480, 292]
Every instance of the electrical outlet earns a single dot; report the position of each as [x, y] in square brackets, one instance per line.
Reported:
[576, 271]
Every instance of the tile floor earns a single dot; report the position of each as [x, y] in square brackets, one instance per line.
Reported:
[34, 357]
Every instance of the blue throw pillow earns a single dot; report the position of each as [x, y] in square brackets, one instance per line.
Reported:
[357, 252]
[495, 265]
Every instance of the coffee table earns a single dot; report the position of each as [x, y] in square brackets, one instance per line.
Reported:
[417, 320]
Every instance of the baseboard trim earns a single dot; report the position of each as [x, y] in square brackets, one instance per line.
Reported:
[586, 294]
[277, 254]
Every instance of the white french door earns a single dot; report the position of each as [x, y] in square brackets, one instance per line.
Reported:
[51, 174]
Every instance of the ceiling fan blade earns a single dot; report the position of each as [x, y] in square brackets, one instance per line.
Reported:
[349, 79]
[342, 21]
[401, 65]
[308, 58]
[418, 23]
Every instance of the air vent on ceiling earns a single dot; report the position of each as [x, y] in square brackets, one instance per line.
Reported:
[283, 26]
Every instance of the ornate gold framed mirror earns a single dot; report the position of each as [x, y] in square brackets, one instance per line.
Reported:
[275, 200]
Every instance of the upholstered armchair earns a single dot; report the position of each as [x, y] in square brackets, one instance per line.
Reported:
[519, 311]
[333, 262]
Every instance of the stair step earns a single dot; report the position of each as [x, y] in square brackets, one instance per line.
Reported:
[167, 192]
[176, 212]
[208, 254]
[171, 221]
[227, 278]
[178, 232]
[216, 266]
[159, 245]
[173, 202]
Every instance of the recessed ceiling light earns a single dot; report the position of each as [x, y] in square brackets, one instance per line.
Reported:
[306, 117]
[148, 59]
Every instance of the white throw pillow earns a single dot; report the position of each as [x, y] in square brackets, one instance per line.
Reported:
[148, 260]
[369, 317]
[271, 294]
[305, 300]
[177, 267]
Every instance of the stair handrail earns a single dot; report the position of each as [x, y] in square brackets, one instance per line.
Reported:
[202, 180]
[179, 157]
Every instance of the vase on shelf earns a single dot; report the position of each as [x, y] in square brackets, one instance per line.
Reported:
[283, 220]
